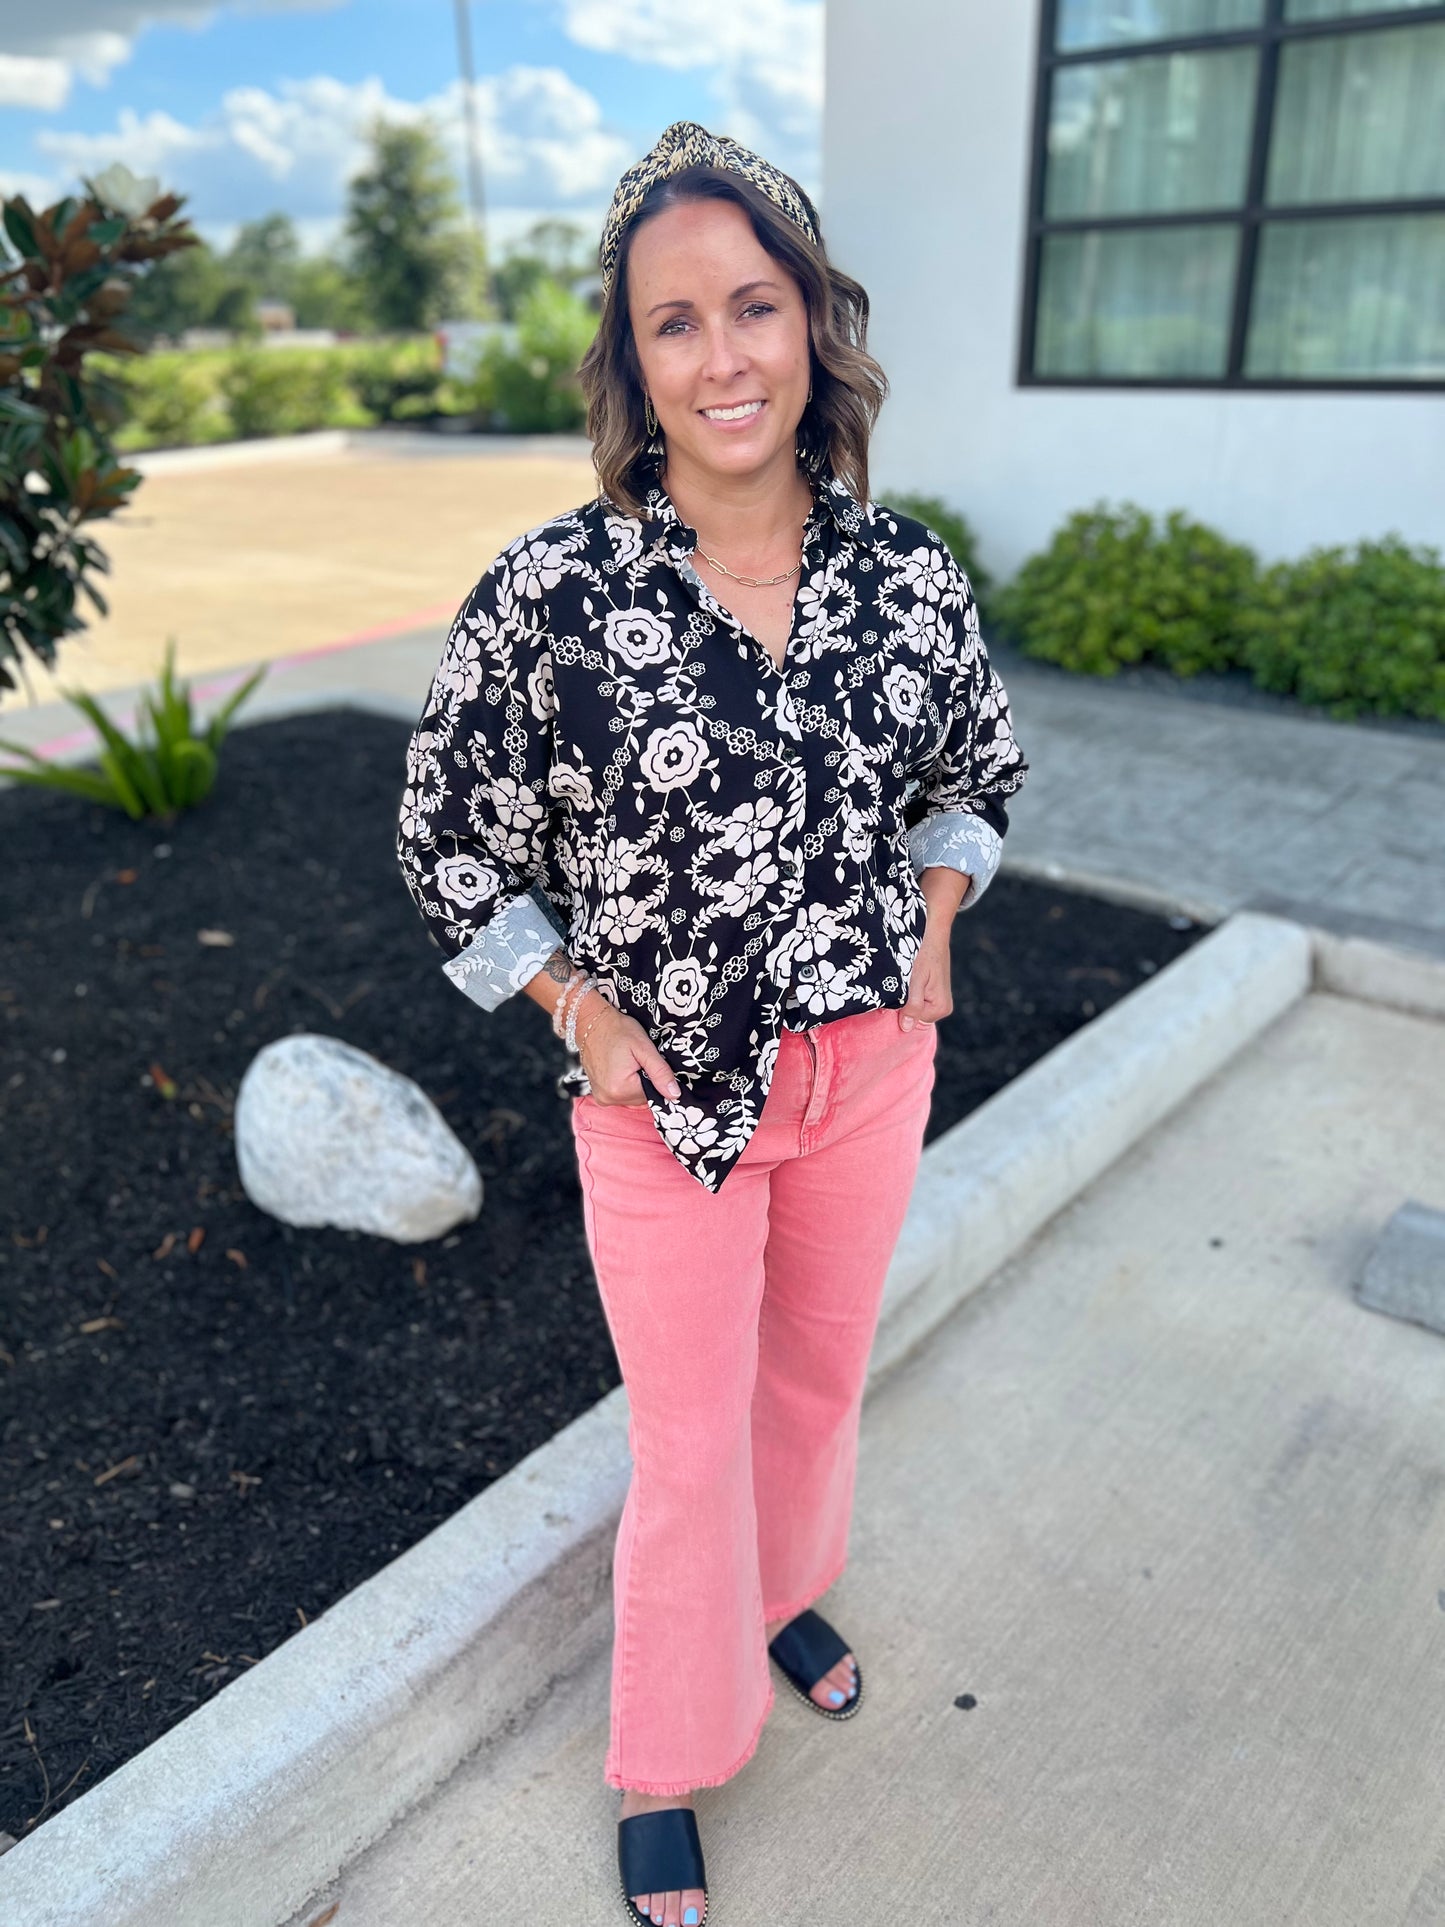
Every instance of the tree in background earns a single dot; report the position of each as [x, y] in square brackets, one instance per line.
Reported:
[410, 249]
[264, 256]
[191, 290]
[550, 250]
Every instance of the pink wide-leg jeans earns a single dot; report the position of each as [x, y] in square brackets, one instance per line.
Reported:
[742, 1321]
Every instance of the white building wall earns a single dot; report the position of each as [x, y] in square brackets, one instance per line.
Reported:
[928, 118]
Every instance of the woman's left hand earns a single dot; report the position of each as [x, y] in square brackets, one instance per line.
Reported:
[930, 986]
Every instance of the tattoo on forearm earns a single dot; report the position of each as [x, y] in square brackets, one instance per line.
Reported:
[559, 966]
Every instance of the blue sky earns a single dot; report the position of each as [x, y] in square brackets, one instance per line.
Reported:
[262, 105]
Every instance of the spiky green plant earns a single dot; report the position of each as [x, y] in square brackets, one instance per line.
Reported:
[166, 770]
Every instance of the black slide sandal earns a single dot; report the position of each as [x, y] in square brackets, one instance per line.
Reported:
[659, 1853]
[803, 1651]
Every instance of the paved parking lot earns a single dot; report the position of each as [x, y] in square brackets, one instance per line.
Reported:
[243, 559]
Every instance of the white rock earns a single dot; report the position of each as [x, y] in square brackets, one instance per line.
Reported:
[326, 1135]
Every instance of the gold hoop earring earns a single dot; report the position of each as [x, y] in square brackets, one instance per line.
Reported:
[649, 414]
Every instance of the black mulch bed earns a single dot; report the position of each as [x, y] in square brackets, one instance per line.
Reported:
[211, 1425]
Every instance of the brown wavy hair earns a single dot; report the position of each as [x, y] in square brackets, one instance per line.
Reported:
[849, 387]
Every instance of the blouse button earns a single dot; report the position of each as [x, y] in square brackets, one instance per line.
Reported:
[792, 868]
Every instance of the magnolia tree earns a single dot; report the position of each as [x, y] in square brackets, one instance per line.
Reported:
[66, 277]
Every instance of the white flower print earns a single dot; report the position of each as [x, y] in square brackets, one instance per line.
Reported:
[673, 757]
[905, 691]
[571, 785]
[735, 891]
[465, 882]
[682, 987]
[752, 826]
[821, 961]
[541, 691]
[463, 668]
[625, 535]
[688, 1130]
[540, 566]
[508, 802]
[638, 636]
[926, 574]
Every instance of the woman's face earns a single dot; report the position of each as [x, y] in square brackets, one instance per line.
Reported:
[722, 336]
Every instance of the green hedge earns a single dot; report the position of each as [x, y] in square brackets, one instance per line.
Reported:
[178, 398]
[181, 398]
[1356, 631]
[1113, 588]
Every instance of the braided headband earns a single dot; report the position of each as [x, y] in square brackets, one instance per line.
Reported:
[685, 144]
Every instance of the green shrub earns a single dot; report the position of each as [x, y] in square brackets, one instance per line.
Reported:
[533, 389]
[956, 535]
[67, 273]
[283, 391]
[1353, 632]
[395, 380]
[171, 400]
[1112, 588]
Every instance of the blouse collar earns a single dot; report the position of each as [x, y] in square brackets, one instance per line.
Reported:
[832, 503]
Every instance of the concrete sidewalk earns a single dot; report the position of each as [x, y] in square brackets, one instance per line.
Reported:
[1338, 824]
[1168, 1503]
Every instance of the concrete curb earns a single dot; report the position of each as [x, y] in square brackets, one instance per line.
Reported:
[245, 1810]
[1378, 973]
[342, 441]
[240, 454]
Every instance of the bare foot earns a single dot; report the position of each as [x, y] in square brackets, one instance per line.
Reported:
[837, 1686]
[684, 1909]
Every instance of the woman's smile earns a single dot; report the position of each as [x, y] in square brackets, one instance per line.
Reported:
[734, 414]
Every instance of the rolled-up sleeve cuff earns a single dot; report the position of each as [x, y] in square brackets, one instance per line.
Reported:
[958, 840]
[506, 955]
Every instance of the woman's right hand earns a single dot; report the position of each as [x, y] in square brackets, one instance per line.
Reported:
[615, 1050]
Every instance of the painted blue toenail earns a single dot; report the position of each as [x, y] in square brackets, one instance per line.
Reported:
[836, 1697]
[689, 1919]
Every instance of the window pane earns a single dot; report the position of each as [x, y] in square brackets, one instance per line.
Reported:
[1353, 298]
[1360, 117]
[1150, 135]
[1335, 9]
[1136, 301]
[1116, 23]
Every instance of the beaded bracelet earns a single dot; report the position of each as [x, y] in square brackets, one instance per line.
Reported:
[574, 999]
[589, 984]
[561, 1004]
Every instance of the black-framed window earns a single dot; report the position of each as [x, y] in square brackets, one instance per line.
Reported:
[1238, 193]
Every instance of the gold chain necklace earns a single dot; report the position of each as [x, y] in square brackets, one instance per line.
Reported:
[751, 581]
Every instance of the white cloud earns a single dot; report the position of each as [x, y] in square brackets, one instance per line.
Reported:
[32, 80]
[544, 146]
[765, 58]
[41, 190]
[62, 38]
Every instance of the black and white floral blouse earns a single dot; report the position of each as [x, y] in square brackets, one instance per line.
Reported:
[729, 846]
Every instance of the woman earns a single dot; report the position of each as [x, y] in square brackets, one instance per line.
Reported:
[739, 729]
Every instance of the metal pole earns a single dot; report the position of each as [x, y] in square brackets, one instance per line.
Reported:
[474, 150]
